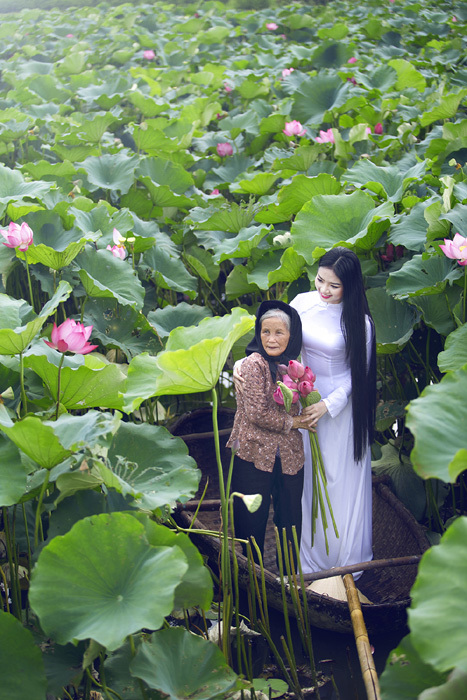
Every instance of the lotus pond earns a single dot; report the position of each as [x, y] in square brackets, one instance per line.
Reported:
[163, 169]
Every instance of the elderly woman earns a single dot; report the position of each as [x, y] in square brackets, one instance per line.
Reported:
[269, 447]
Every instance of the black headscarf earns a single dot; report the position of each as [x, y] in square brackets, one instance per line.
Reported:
[294, 346]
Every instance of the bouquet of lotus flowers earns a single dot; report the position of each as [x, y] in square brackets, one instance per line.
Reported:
[298, 384]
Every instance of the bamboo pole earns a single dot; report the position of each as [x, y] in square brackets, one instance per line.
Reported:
[365, 657]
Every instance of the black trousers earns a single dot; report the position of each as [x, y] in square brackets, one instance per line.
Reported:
[286, 492]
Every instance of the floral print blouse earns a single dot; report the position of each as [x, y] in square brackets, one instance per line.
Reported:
[261, 426]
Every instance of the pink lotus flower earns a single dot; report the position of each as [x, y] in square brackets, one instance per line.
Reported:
[289, 382]
[149, 54]
[378, 128]
[69, 36]
[456, 249]
[287, 71]
[17, 236]
[368, 130]
[224, 149]
[352, 80]
[215, 191]
[272, 26]
[227, 87]
[325, 137]
[305, 387]
[454, 18]
[278, 397]
[118, 250]
[309, 376]
[71, 336]
[294, 128]
[295, 369]
[352, 60]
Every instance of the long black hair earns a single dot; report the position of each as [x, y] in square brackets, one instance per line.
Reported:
[346, 266]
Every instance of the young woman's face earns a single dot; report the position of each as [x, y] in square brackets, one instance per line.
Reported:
[329, 286]
[274, 336]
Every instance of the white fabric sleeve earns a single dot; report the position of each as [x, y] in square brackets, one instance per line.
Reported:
[338, 399]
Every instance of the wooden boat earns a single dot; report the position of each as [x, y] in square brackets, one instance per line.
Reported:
[396, 534]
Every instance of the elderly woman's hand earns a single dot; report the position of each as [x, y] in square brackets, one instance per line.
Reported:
[239, 381]
[311, 414]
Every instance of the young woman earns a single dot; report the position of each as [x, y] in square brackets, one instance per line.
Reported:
[269, 447]
[339, 346]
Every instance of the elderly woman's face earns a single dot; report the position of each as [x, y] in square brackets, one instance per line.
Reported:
[274, 336]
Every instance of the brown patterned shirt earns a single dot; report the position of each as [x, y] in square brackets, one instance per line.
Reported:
[261, 425]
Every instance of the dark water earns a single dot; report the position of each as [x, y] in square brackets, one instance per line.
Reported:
[336, 655]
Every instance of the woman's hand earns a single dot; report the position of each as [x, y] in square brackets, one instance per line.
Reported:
[299, 422]
[311, 414]
[239, 381]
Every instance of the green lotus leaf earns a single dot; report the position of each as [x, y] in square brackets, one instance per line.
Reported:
[54, 258]
[48, 87]
[121, 327]
[18, 323]
[19, 651]
[436, 309]
[170, 317]
[106, 94]
[183, 665]
[407, 485]
[196, 587]
[251, 88]
[259, 184]
[170, 272]
[195, 356]
[165, 172]
[291, 198]
[447, 109]
[92, 129]
[421, 275]
[382, 78]
[388, 180]
[407, 75]
[411, 229]
[329, 220]
[436, 419]
[407, 675]
[230, 170]
[14, 188]
[87, 381]
[141, 381]
[162, 195]
[105, 276]
[231, 220]
[301, 160]
[214, 35]
[12, 473]
[106, 561]
[458, 217]
[394, 320]
[245, 121]
[277, 266]
[156, 468]
[114, 172]
[50, 442]
[54, 171]
[226, 247]
[454, 355]
[436, 613]
[318, 95]
[330, 54]
[453, 689]
[202, 262]
[148, 106]
[237, 284]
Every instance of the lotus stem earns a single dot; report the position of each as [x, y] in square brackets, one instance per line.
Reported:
[58, 385]
[31, 296]
[24, 399]
[39, 508]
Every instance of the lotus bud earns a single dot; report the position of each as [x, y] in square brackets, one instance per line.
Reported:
[282, 369]
[296, 370]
